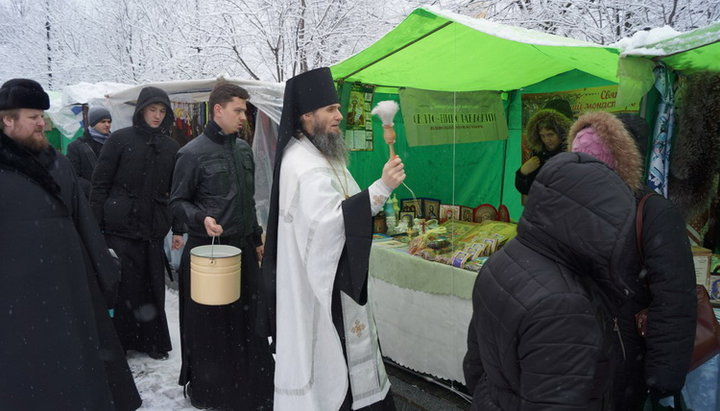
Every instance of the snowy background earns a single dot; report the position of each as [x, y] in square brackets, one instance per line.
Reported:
[64, 42]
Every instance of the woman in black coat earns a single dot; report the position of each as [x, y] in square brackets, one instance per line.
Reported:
[545, 136]
[658, 363]
[541, 335]
[130, 195]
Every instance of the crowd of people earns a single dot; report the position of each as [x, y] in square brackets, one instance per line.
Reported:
[83, 270]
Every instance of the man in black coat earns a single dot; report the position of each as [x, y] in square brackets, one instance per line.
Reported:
[84, 151]
[130, 196]
[59, 349]
[541, 335]
[224, 361]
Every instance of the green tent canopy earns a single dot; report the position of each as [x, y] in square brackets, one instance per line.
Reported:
[687, 53]
[697, 50]
[439, 50]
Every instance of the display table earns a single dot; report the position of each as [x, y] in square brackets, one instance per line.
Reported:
[422, 310]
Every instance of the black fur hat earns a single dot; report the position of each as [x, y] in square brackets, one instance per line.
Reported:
[23, 93]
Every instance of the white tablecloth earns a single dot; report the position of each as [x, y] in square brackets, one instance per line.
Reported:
[422, 331]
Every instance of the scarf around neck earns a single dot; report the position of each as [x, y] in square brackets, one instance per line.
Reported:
[98, 136]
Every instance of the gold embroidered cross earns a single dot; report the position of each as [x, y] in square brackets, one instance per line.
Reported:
[358, 328]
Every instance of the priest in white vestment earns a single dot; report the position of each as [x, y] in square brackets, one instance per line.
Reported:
[316, 261]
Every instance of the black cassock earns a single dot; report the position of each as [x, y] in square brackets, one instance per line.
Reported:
[58, 349]
[102, 277]
[225, 361]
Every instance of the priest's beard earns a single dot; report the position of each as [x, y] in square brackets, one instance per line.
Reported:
[35, 142]
[332, 145]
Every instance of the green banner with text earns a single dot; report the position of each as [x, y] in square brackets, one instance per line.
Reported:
[440, 117]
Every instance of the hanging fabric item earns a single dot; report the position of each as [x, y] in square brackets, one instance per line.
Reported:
[189, 121]
[662, 133]
[695, 157]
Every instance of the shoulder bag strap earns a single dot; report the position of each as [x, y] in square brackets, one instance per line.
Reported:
[639, 224]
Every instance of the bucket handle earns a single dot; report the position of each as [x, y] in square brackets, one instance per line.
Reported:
[212, 246]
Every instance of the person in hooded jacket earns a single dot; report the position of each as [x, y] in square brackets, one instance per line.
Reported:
[546, 133]
[59, 349]
[130, 196]
[541, 334]
[84, 151]
[658, 363]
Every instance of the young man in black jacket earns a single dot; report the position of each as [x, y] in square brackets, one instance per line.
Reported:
[130, 197]
[225, 362]
[83, 152]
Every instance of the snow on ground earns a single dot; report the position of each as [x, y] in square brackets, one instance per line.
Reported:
[157, 380]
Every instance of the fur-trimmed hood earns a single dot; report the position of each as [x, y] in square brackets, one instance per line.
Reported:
[618, 142]
[556, 121]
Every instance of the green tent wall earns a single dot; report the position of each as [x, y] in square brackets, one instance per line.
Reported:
[453, 173]
[437, 50]
[467, 174]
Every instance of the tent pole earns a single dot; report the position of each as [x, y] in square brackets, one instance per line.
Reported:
[659, 58]
[512, 95]
[395, 51]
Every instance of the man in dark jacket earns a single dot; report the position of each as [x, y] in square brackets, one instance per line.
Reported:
[541, 332]
[659, 362]
[59, 349]
[225, 362]
[130, 196]
[84, 151]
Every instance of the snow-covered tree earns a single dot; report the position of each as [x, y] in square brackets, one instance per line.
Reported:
[60, 42]
[599, 21]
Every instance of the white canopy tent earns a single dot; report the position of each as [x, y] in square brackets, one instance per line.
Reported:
[120, 100]
[266, 96]
[69, 121]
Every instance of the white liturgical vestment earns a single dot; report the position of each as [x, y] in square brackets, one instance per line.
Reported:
[311, 372]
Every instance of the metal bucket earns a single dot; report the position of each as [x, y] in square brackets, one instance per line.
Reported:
[215, 274]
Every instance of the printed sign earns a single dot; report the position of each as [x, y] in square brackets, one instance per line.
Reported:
[439, 117]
